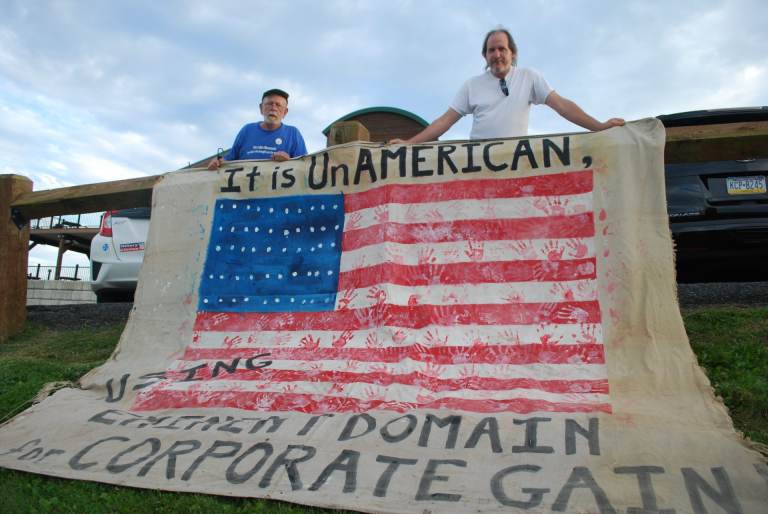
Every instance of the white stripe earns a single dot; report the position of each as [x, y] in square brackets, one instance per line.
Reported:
[485, 208]
[447, 371]
[466, 251]
[392, 392]
[469, 294]
[429, 337]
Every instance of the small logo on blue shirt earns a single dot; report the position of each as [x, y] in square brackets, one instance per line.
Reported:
[279, 141]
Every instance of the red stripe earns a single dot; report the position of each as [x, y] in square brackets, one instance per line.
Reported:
[569, 183]
[414, 378]
[320, 404]
[440, 355]
[468, 273]
[540, 227]
[405, 316]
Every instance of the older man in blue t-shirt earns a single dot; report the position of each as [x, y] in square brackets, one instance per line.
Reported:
[268, 139]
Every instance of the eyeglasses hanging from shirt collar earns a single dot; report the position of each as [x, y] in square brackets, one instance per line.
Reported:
[503, 86]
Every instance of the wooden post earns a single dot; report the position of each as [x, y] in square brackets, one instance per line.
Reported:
[14, 243]
[60, 256]
[346, 132]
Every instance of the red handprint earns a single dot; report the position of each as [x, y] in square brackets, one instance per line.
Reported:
[587, 290]
[425, 398]
[399, 336]
[373, 394]
[381, 213]
[571, 313]
[469, 378]
[434, 216]
[346, 299]
[553, 250]
[544, 269]
[489, 210]
[546, 337]
[586, 270]
[475, 250]
[309, 342]
[379, 368]
[282, 338]
[515, 297]
[587, 335]
[372, 340]
[351, 365]
[508, 336]
[525, 250]
[432, 339]
[394, 254]
[427, 256]
[354, 221]
[577, 248]
[553, 206]
[232, 342]
[431, 369]
[219, 318]
[377, 294]
[474, 340]
[342, 339]
[563, 291]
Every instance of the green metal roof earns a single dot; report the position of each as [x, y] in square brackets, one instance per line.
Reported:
[393, 110]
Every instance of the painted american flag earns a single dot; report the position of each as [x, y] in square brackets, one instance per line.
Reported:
[474, 295]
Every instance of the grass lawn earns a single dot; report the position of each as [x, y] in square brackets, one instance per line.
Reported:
[731, 344]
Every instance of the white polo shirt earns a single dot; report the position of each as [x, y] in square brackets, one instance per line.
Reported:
[495, 115]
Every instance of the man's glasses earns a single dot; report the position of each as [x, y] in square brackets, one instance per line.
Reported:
[503, 86]
[274, 104]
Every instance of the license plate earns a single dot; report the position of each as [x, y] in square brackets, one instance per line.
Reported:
[745, 185]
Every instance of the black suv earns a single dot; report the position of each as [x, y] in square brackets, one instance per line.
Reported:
[718, 209]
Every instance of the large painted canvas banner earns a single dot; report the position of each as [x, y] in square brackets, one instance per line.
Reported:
[468, 326]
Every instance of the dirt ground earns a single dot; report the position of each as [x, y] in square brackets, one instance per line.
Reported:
[78, 315]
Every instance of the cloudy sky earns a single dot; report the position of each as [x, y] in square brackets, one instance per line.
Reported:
[92, 91]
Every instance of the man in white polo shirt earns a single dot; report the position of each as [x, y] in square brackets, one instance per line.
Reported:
[500, 99]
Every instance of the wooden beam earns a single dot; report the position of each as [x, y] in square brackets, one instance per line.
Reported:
[120, 194]
[14, 246]
[80, 237]
[719, 142]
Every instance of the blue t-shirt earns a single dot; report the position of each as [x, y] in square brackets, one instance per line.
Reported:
[253, 142]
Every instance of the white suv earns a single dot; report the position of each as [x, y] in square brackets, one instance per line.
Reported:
[117, 252]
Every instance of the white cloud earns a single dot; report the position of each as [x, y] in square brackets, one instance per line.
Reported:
[93, 91]
[743, 87]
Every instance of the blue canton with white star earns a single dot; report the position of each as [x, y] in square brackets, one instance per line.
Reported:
[274, 255]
